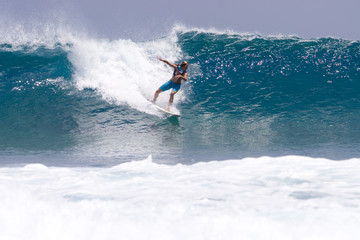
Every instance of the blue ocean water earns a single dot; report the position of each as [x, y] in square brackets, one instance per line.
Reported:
[256, 152]
[82, 102]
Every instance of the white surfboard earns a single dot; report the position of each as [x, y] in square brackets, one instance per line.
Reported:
[166, 111]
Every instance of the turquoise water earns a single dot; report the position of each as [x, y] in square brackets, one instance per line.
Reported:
[82, 102]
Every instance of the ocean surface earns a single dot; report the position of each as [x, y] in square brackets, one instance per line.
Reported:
[268, 142]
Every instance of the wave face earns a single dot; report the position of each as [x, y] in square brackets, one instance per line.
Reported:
[34, 97]
[247, 95]
[275, 92]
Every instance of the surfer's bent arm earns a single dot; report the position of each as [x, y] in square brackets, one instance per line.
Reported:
[169, 63]
[183, 77]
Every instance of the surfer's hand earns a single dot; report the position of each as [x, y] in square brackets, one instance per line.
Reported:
[179, 76]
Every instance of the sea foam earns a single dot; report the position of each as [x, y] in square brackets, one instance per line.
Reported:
[122, 71]
[289, 197]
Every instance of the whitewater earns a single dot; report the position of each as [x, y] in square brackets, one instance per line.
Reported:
[267, 145]
[283, 198]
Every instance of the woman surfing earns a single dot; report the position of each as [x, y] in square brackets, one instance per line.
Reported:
[174, 83]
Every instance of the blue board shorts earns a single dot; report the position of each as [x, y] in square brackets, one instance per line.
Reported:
[170, 84]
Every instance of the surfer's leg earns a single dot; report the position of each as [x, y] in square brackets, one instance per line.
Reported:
[166, 86]
[176, 88]
[171, 100]
[156, 95]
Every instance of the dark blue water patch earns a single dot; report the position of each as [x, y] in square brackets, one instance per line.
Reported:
[36, 107]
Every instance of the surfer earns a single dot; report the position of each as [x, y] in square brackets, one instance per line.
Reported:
[175, 81]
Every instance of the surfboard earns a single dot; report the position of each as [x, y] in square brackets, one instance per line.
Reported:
[165, 111]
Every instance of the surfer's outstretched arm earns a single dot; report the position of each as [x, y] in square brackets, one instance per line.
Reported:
[168, 63]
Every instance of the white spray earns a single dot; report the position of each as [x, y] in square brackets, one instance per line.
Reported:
[124, 72]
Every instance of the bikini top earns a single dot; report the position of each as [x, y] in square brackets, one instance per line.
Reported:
[180, 70]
